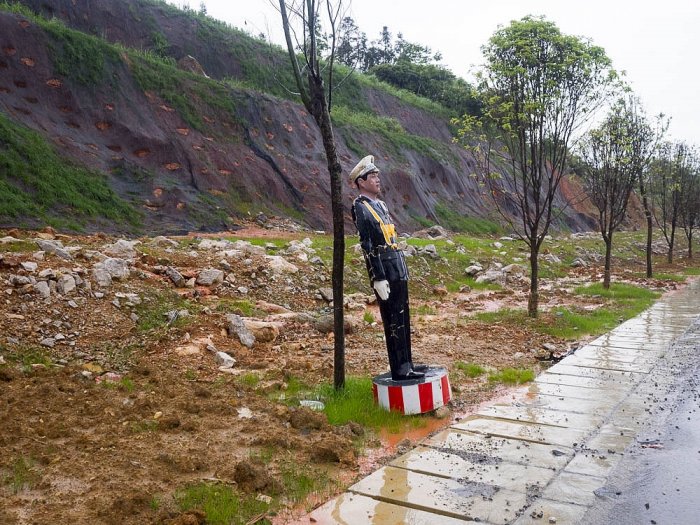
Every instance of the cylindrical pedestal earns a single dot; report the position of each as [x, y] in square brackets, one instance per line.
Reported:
[416, 396]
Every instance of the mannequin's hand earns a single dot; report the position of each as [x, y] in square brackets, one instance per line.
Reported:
[382, 288]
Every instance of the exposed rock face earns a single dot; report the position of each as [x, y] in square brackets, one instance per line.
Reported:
[189, 63]
[276, 144]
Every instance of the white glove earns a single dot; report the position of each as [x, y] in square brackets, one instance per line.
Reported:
[382, 288]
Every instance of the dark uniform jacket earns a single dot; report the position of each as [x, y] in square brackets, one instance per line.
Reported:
[385, 261]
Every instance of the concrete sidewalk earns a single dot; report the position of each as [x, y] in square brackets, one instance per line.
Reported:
[545, 457]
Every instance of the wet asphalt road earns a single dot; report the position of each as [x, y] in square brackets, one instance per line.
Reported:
[658, 480]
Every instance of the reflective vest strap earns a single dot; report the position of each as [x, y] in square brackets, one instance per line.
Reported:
[387, 229]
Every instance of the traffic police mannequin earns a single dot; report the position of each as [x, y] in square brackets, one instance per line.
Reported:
[386, 266]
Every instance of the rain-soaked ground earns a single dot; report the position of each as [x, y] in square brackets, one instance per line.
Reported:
[561, 449]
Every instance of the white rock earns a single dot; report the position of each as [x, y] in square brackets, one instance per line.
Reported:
[29, 266]
[280, 265]
[210, 276]
[224, 360]
[42, 288]
[65, 284]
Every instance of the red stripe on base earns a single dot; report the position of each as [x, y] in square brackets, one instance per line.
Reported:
[396, 398]
[425, 394]
[445, 389]
[375, 394]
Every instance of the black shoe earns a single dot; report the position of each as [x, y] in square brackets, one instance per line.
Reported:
[420, 368]
[410, 375]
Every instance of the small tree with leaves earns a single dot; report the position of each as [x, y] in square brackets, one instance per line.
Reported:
[608, 173]
[538, 86]
[304, 20]
[675, 159]
[690, 200]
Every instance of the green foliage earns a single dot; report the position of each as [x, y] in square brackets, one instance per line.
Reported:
[36, 182]
[20, 246]
[221, 504]
[392, 131]
[512, 376]
[355, 403]
[144, 426]
[470, 369]
[368, 317]
[153, 311]
[432, 81]
[23, 475]
[452, 220]
[424, 309]
[250, 380]
[241, 307]
[26, 356]
[621, 293]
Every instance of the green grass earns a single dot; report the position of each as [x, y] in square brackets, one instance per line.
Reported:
[152, 311]
[23, 474]
[512, 376]
[624, 302]
[368, 317]
[36, 182]
[241, 307]
[355, 403]
[424, 309]
[470, 369]
[298, 483]
[456, 222]
[125, 384]
[19, 247]
[222, 504]
[144, 426]
[250, 380]
[26, 356]
[691, 271]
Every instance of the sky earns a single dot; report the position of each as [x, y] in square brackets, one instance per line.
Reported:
[657, 43]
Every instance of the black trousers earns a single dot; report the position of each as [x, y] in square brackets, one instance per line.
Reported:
[397, 328]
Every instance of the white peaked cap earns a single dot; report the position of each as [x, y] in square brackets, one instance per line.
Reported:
[363, 167]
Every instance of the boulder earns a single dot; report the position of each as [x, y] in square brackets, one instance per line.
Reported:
[54, 247]
[209, 277]
[236, 326]
[263, 331]
[280, 265]
[122, 249]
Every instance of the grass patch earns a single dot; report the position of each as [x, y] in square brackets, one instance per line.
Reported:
[250, 380]
[470, 369]
[26, 356]
[368, 317]
[456, 222]
[512, 376]
[36, 182]
[153, 311]
[23, 474]
[145, 425]
[355, 403]
[624, 302]
[691, 271]
[242, 307]
[19, 247]
[424, 309]
[221, 504]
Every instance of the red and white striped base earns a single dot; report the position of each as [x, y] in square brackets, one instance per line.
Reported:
[417, 396]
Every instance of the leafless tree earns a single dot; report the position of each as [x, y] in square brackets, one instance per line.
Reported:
[302, 21]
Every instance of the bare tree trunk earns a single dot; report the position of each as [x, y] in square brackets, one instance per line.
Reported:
[533, 297]
[671, 242]
[323, 118]
[690, 245]
[608, 254]
[647, 213]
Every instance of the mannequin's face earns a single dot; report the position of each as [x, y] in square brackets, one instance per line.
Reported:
[370, 187]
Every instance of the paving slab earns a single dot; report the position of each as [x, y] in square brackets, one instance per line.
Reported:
[596, 373]
[447, 497]
[578, 489]
[522, 430]
[352, 509]
[579, 392]
[496, 449]
[450, 463]
[543, 512]
[543, 416]
[629, 355]
[585, 382]
[609, 364]
[593, 463]
[596, 405]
